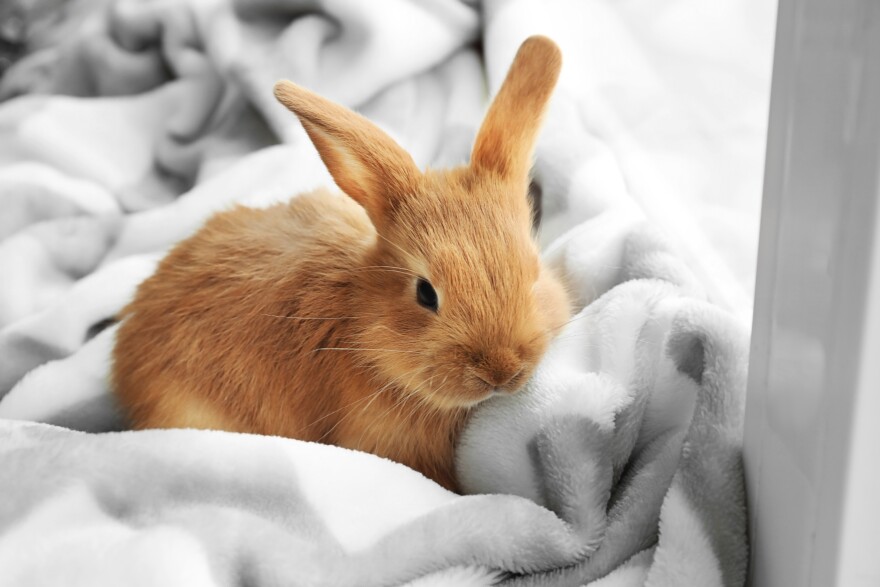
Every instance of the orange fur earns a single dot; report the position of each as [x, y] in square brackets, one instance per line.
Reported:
[301, 320]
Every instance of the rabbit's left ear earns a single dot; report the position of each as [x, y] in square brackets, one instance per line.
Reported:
[506, 140]
[364, 161]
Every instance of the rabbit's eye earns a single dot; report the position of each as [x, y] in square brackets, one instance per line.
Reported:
[426, 295]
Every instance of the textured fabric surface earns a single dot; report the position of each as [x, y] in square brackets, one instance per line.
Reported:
[124, 124]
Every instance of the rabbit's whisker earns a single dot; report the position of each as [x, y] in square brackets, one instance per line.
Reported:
[376, 395]
[422, 402]
[378, 419]
[396, 246]
[366, 349]
[310, 318]
[384, 268]
[581, 315]
[371, 397]
[325, 416]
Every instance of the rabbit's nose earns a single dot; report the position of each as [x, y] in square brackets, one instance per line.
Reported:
[499, 368]
[498, 378]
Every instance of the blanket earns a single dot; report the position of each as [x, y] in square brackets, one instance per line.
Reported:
[125, 124]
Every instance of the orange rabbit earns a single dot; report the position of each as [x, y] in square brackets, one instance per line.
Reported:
[372, 320]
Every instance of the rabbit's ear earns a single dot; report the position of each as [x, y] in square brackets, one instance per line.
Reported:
[507, 137]
[364, 161]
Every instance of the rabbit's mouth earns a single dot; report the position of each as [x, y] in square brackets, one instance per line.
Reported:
[472, 393]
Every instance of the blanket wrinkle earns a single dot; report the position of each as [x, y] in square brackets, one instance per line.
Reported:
[560, 448]
[38, 192]
[634, 504]
[127, 123]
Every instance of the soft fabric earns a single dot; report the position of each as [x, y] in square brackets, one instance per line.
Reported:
[129, 122]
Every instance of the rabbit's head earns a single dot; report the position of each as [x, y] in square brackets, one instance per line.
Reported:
[456, 303]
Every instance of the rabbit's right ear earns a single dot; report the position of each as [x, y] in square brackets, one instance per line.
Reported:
[506, 140]
[365, 162]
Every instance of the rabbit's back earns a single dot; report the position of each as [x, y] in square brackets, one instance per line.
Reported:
[212, 339]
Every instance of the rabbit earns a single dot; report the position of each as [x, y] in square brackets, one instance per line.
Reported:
[373, 319]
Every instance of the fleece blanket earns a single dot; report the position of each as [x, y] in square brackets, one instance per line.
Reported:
[124, 124]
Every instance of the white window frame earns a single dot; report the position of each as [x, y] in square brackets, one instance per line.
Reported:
[812, 431]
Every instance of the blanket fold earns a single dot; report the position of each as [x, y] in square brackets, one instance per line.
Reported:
[128, 123]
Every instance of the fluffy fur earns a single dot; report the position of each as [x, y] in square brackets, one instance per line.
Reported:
[302, 320]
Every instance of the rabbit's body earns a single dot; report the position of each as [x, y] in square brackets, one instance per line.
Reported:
[293, 288]
[373, 321]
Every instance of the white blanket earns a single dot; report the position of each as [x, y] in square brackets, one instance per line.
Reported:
[133, 121]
